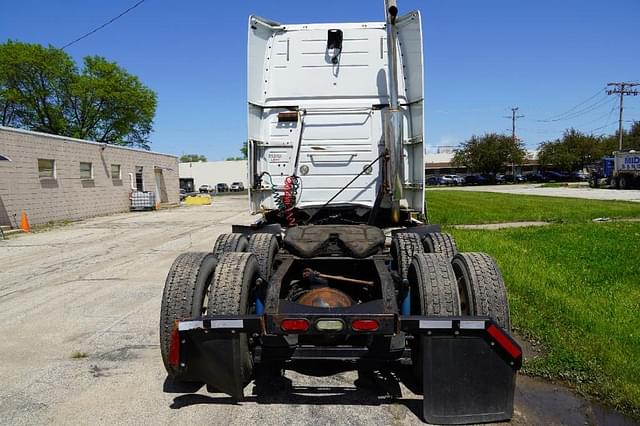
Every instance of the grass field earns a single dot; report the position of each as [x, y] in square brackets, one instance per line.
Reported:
[573, 285]
[458, 207]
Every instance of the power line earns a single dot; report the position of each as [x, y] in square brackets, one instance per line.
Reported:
[602, 127]
[112, 20]
[580, 112]
[600, 91]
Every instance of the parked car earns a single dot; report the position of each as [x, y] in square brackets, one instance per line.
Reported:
[222, 187]
[183, 194]
[517, 179]
[555, 176]
[236, 187]
[580, 176]
[206, 189]
[475, 180]
[452, 180]
[500, 178]
[434, 180]
[535, 177]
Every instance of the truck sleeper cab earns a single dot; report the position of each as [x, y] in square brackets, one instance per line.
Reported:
[341, 268]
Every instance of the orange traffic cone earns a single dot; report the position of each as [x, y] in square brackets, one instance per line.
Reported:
[24, 223]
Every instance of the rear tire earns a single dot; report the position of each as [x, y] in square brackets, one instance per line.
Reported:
[440, 242]
[184, 293]
[434, 292]
[623, 182]
[228, 243]
[403, 247]
[481, 288]
[265, 248]
[230, 294]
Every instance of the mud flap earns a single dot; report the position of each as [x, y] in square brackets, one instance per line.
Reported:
[218, 362]
[215, 352]
[466, 380]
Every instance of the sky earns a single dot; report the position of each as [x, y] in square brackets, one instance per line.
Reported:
[481, 58]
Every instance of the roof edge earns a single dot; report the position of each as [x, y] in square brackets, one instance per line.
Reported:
[70, 139]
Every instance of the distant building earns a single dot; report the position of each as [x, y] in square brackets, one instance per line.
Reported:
[54, 178]
[193, 175]
[440, 163]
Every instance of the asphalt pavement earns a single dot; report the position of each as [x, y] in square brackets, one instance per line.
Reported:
[80, 304]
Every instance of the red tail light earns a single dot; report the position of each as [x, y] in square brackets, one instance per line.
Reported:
[364, 325]
[504, 341]
[294, 324]
[174, 347]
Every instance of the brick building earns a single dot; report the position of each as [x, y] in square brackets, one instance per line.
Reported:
[54, 178]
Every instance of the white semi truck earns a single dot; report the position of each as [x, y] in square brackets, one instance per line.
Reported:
[341, 270]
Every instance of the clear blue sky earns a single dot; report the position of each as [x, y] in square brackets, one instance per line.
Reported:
[482, 57]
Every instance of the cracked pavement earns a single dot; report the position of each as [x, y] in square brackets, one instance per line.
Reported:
[80, 307]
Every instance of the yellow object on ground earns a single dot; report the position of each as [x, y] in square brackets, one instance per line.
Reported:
[198, 200]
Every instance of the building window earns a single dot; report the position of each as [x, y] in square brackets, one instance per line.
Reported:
[46, 168]
[139, 178]
[115, 172]
[86, 171]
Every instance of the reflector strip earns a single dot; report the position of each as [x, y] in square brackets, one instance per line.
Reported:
[504, 341]
[174, 348]
[227, 324]
[435, 324]
[472, 325]
[190, 325]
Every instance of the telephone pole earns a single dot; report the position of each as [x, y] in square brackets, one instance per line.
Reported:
[622, 89]
[514, 117]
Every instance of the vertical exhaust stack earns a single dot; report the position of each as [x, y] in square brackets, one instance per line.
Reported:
[393, 127]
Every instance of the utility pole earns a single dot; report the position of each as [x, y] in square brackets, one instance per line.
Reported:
[514, 117]
[622, 88]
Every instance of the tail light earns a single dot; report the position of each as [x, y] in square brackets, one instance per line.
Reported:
[504, 341]
[294, 324]
[364, 325]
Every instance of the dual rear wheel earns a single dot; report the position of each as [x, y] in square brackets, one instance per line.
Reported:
[217, 283]
[444, 282]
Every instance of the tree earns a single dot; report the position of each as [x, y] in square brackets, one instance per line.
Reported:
[573, 151]
[243, 151]
[192, 158]
[630, 139]
[489, 153]
[42, 89]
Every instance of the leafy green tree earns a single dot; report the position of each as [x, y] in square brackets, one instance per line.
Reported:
[574, 150]
[33, 82]
[489, 153]
[42, 89]
[192, 158]
[243, 151]
[630, 139]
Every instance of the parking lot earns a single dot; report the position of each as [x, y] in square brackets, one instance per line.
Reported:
[80, 307]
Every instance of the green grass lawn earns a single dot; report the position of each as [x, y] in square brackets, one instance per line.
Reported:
[573, 285]
[466, 207]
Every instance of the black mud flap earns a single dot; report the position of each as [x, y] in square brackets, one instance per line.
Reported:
[468, 366]
[466, 381]
[212, 352]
